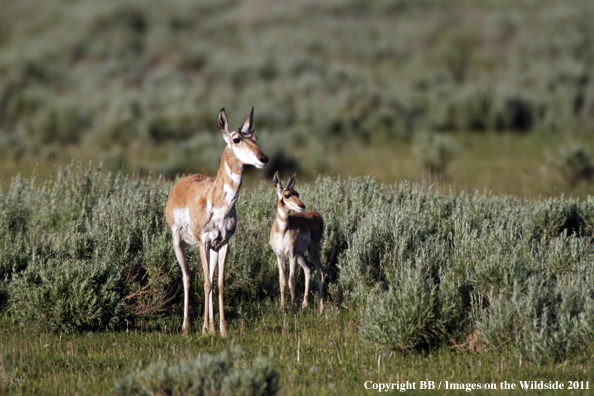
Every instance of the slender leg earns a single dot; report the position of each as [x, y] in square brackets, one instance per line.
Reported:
[179, 246]
[204, 256]
[292, 263]
[213, 262]
[314, 252]
[281, 279]
[222, 259]
[307, 270]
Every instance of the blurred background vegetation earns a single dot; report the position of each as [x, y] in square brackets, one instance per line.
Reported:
[487, 95]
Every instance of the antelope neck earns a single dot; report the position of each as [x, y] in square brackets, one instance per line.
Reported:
[225, 189]
[282, 214]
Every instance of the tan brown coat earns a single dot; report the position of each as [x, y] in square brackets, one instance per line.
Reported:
[291, 236]
[201, 212]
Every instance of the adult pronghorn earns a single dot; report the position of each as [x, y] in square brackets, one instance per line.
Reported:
[291, 235]
[201, 212]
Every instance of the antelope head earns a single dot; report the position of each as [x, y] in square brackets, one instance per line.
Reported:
[288, 197]
[242, 142]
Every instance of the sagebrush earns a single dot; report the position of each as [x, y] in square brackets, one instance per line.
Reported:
[222, 374]
[515, 271]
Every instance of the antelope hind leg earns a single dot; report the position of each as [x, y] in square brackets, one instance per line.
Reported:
[179, 247]
[222, 256]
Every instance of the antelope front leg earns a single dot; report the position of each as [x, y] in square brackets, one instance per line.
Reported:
[222, 261]
[322, 292]
[204, 257]
[213, 262]
[281, 279]
[315, 256]
[178, 247]
[292, 264]
[307, 270]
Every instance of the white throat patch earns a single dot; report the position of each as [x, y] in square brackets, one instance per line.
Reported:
[281, 215]
[231, 194]
[235, 177]
[218, 214]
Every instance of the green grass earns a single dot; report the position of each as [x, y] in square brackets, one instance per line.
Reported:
[314, 354]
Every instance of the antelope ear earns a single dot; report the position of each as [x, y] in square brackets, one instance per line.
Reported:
[291, 184]
[247, 125]
[277, 184]
[223, 123]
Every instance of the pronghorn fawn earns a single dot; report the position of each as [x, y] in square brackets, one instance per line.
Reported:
[291, 235]
[201, 212]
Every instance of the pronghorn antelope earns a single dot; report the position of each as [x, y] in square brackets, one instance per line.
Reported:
[291, 235]
[201, 212]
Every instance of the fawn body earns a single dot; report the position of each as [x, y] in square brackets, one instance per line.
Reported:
[291, 236]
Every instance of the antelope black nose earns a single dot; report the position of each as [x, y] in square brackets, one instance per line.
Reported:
[264, 160]
[302, 206]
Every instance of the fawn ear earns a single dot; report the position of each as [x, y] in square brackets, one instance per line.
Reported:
[291, 184]
[247, 124]
[223, 123]
[277, 184]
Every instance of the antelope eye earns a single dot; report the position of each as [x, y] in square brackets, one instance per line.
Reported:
[236, 140]
[287, 196]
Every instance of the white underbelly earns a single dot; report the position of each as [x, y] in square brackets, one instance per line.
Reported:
[214, 234]
[286, 246]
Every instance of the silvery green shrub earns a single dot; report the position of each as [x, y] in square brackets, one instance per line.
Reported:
[586, 321]
[574, 162]
[79, 221]
[408, 315]
[67, 296]
[223, 374]
[481, 252]
[555, 215]
[435, 151]
[542, 320]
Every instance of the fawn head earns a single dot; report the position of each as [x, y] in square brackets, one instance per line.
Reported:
[288, 197]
